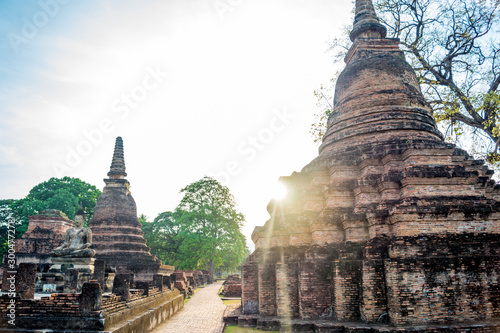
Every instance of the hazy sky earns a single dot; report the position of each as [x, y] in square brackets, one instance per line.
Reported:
[194, 87]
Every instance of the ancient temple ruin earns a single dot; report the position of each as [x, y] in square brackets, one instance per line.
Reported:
[117, 235]
[390, 226]
[45, 232]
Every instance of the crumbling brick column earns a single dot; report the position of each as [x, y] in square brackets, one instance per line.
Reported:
[121, 286]
[99, 272]
[25, 280]
[158, 281]
[267, 290]
[250, 290]
[71, 280]
[90, 298]
[144, 285]
[167, 282]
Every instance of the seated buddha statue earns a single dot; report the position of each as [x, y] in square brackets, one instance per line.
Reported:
[77, 240]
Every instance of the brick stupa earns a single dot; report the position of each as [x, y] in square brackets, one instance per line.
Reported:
[116, 232]
[389, 226]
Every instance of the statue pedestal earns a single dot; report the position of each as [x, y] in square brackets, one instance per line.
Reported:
[68, 274]
[83, 265]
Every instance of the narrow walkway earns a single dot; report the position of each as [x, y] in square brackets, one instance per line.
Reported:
[201, 314]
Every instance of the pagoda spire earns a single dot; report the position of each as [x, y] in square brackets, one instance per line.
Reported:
[117, 169]
[366, 22]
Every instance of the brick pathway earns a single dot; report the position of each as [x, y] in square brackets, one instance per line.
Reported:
[201, 314]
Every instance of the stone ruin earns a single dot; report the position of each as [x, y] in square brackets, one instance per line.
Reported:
[131, 307]
[72, 261]
[232, 286]
[117, 235]
[45, 232]
[187, 281]
[390, 227]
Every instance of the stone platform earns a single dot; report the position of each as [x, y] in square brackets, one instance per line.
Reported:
[83, 265]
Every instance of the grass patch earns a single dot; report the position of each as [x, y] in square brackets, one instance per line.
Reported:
[231, 301]
[236, 329]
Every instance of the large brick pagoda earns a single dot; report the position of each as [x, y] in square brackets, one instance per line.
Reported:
[116, 232]
[389, 225]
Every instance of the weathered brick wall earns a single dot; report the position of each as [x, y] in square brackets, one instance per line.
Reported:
[287, 292]
[443, 279]
[267, 289]
[374, 306]
[250, 288]
[315, 294]
[347, 289]
[232, 290]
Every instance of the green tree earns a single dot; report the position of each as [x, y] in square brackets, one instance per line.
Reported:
[454, 48]
[162, 236]
[63, 194]
[209, 227]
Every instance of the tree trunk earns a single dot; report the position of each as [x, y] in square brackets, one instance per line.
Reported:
[211, 269]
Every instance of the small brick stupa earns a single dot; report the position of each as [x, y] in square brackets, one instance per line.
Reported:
[389, 226]
[116, 232]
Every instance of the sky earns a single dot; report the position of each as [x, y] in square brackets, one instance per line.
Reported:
[195, 88]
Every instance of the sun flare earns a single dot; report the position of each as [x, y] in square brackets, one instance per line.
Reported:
[279, 191]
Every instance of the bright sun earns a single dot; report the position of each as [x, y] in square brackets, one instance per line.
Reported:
[279, 191]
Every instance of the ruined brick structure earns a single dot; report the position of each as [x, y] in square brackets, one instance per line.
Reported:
[232, 286]
[389, 224]
[45, 232]
[116, 232]
[90, 311]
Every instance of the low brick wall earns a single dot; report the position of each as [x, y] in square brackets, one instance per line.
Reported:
[63, 312]
[145, 314]
[232, 290]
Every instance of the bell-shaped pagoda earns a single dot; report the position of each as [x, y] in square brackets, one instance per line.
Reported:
[390, 226]
[117, 235]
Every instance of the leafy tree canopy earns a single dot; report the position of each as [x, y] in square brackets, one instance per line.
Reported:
[63, 194]
[204, 232]
[454, 48]
[162, 236]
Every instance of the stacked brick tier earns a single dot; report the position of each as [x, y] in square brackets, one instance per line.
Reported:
[389, 224]
[116, 231]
